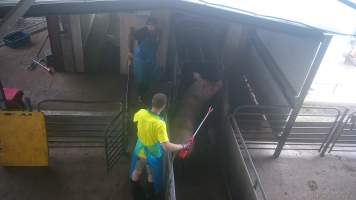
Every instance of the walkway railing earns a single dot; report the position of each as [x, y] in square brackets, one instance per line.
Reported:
[248, 163]
[345, 136]
[115, 140]
[262, 126]
[73, 124]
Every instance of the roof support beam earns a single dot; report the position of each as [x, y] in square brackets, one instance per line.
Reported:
[11, 18]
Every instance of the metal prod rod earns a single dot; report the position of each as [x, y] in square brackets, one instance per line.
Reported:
[201, 123]
[41, 65]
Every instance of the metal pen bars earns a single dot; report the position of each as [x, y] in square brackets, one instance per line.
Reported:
[323, 129]
[86, 124]
[345, 137]
[78, 124]
[248, 163]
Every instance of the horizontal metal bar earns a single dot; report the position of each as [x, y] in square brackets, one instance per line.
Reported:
[341, 145]
[345, 150]
[345, 141]
[285, 148]
[69, 101]
[75, 133]
[86, 122]
[276, 108]
[79, 136]
[74, 146]
[71, 141]
[274, 143]
[283, 114]
[306, 140]
[69, 129]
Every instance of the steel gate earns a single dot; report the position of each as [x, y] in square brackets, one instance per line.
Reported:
[86, 124]
[262, 126]
[115, 140]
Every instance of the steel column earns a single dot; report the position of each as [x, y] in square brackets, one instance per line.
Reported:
[304, 91]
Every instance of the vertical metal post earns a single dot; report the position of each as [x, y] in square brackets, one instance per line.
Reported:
[337, 132]
[304, 91]
[55, 41]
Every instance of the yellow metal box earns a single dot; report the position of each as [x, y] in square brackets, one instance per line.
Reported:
[23, 139]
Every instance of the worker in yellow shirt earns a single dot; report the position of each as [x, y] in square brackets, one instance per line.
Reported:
[152, 137]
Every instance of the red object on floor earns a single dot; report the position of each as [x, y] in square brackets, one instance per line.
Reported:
[13, 97]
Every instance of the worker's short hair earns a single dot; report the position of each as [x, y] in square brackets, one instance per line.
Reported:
[159, 100]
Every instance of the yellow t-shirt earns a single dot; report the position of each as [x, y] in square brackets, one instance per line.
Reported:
[150, 129]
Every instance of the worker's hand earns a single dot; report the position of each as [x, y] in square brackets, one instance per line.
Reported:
[190, 142]
[188, 145]
[130, 55]
[129, 59]
[185, 151]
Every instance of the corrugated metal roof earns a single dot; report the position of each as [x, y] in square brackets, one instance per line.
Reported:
[328, 15]
[324, 14]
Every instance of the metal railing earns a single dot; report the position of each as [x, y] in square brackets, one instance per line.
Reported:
[344, 138]
[168, 174]
[168, 169]
[249, 166]
[262, 126]
[115, 140]
[79, 105]
[77, 124]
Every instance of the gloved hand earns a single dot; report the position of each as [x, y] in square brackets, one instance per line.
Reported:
[182, 154]
[189, 143]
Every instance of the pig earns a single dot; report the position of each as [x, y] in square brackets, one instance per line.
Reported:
[191, 107]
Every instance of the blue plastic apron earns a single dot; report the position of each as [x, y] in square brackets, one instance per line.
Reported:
[145, 68]
[154, 155]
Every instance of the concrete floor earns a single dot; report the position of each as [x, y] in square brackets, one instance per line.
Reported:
[40, 85]
[304, 175]
[72, 173]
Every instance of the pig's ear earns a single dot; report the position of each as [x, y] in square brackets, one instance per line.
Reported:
[197, 76]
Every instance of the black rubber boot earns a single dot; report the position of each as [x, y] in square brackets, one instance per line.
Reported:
[137, 190]
[151, 195]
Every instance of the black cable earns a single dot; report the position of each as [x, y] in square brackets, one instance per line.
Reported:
[277, 18]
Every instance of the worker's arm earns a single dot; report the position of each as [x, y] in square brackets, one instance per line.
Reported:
[131, 40]
[166, 144]
[171, 147]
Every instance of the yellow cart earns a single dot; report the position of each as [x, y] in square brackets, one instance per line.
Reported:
[23, 139]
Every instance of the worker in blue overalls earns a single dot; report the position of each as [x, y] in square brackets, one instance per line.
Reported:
[145, 68]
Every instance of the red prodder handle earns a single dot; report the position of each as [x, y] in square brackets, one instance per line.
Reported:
[183, 154]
